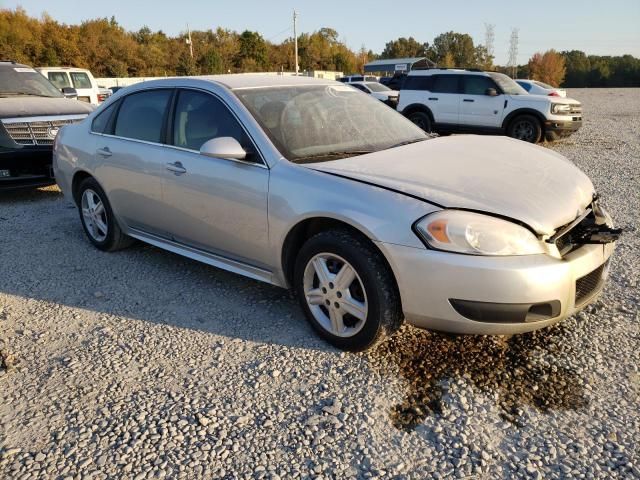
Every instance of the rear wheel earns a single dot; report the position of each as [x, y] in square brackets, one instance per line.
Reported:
[422, 120]
[347, 290]
[526, 128]
[97, 218]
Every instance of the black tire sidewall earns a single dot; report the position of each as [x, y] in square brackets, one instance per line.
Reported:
[366, 268]
[113, 228]
[421, 118]
[537, 127]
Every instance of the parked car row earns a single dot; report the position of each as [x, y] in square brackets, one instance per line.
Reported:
[274, 178]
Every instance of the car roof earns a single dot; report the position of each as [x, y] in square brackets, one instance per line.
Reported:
[238, 81]
[448, 71]
[62, 69]
[11, 63]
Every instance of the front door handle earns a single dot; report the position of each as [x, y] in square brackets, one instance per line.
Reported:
[176, 168]
[468, 100]
[104, 152]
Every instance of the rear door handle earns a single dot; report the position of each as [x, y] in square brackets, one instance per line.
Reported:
[433, 98]
[468, 100]
[104, 152]
[176, 168]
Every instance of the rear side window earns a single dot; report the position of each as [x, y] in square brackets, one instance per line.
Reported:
[445, 84]
[417, 82]
[142, 115]
[80, 80]
[59, 79]
[101, 124]
[477, 84]
[200, 117]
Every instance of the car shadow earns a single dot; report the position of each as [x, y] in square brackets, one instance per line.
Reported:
[21, 195]
[517, 371]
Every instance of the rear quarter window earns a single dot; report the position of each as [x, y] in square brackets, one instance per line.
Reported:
[80, 80]
[417, 82]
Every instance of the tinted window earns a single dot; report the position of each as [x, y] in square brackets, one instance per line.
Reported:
[142, 115]
[199, 117]
[477, 85]
[417, 82]
[526, 86]
[101, 122]
[59, 79]
[80, 80]
[445, 84]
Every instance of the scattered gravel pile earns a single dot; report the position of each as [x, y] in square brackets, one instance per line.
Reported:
[143, 364]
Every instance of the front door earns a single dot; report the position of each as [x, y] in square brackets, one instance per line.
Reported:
[214, 204]
[477, 109]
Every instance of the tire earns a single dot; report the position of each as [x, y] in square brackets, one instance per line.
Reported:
[97, 216]
[372, 289]
[422, 120]
[526, 128]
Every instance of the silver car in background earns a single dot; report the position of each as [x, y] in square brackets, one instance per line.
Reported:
[312, 185]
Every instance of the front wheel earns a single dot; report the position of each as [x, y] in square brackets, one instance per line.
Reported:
[347, 290]
[526, 128]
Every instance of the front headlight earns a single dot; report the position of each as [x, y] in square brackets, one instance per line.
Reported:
[473, 233]
[560, 108]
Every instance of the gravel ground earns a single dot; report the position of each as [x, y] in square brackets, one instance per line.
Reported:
[143, 364]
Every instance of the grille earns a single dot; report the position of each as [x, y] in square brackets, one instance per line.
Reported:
[36, 132]
[575, 109]
[587, 285]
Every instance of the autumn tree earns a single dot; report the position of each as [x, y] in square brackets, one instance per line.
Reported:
[548, 67]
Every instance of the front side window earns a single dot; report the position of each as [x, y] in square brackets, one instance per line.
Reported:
[101, 123]
[200, 117]
[315, 123]
[80, 80]
[477, 85]
[142, 114]
[445, 84]
[59, 79]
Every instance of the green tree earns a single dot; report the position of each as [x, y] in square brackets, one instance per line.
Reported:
[404, 47]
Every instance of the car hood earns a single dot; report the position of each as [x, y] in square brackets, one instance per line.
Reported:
[532, 97]
[41, 106]
[496, 175]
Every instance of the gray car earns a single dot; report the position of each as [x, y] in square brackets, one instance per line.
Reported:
[312, 185]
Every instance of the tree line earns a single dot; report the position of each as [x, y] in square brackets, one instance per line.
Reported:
[108, 50]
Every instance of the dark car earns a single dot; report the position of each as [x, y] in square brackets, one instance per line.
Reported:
[32, 111]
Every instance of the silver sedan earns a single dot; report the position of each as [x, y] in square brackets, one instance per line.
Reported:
[312, 185]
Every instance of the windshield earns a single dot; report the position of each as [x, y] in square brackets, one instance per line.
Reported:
[18, 80]
[377, 87]
[315, 123]
[507, 84]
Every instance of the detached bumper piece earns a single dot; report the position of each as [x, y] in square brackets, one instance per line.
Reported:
[506, 312]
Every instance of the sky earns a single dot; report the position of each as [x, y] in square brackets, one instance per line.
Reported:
[601, 27]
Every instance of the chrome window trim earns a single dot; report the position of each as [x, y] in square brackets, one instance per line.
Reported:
[262, 164]
[44, 118]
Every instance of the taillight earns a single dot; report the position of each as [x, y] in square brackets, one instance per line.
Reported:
[102, 97]
[554, 94]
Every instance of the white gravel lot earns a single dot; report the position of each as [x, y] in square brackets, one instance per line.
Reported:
[142, 364]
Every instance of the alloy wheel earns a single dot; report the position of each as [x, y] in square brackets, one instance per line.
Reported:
[335, 294]
[94, 215]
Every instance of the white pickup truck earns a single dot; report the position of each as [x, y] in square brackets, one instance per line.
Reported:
[78, 78]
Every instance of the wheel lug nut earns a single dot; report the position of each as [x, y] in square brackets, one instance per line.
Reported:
[328, 302]
[337, 305]
[324, 290]
[331, 286]
[339, 294]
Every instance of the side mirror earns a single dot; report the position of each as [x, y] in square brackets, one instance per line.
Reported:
[70, 92]
[492, 92]
[223, 147]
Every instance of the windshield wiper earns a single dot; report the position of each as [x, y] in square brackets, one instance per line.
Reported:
[331, 155]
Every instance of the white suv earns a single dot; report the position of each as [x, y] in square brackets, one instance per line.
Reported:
[473, 101]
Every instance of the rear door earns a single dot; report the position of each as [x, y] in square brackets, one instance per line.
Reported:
[476, 107]
[444, 99]
[131, 159]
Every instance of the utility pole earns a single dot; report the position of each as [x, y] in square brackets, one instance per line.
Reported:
[489, 37]
[513, 52]
[189, 42]
[295, 39]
